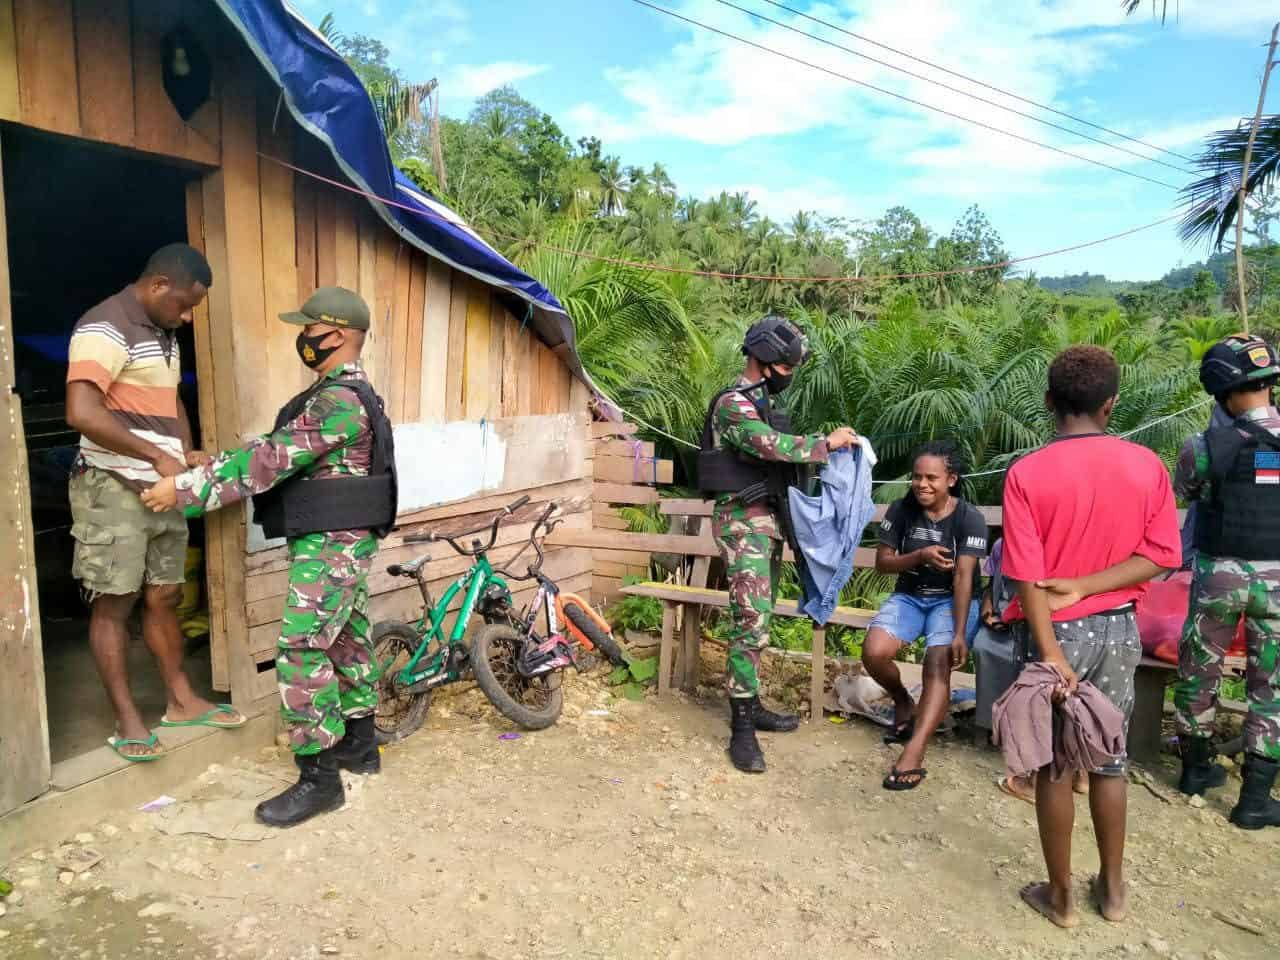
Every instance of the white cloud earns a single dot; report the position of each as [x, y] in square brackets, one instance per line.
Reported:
[713, 90]
[781, 203]
[473, 81]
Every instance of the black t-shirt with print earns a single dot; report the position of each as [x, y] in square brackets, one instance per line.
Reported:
[907, 528]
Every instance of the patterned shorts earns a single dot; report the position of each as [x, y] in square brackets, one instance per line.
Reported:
[1103, 649]
[120, 544]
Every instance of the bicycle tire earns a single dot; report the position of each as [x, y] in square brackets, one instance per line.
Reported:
[493, 662]
[392, 640]
[602, 641]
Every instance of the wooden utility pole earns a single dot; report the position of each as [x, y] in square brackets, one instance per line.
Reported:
[1244, 181]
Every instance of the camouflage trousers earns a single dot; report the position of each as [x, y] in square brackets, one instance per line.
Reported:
[747, 558]
[1222, 591]
[324, 660]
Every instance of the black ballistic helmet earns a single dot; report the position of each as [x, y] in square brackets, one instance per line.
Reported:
[1238, 361]
[775, 340]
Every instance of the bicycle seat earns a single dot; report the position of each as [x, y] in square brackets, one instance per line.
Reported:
[408, 569]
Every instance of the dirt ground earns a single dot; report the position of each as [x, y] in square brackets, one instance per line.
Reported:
[622, 832]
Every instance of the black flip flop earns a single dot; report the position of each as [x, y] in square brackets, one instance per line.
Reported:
[895, 781]
[902, 734]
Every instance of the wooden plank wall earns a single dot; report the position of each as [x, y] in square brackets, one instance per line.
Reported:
[92, 69]
[626, 472]
[24, 729]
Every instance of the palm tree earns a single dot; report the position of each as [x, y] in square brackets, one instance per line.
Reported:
[613, 188]
[1213, 199]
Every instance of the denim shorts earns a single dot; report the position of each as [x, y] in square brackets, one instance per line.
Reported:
[906, 617]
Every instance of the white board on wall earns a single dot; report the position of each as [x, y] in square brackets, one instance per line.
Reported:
[436, 463]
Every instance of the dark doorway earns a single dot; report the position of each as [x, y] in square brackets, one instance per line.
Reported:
[82, 221]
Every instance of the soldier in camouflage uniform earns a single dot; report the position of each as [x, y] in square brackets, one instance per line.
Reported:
[743, 440]
[324, 665]
[1233, 473]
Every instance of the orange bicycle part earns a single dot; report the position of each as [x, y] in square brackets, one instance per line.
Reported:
[568, 625]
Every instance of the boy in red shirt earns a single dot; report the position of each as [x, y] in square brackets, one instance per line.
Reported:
[1088, 520]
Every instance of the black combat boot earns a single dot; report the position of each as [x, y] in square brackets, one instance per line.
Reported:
[771, 722]
[1256, 809]
[744, 749]
[357, 751]
[318, 790]
[1199, 772]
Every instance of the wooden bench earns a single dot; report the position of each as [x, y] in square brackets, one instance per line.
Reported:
[1152, 677]
[694, 599]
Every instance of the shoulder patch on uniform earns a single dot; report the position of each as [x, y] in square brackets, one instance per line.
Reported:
[330, 401]
[1259, 356]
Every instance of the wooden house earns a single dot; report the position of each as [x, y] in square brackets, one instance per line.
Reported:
[99, 168]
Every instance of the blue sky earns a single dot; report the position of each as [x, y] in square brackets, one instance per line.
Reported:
[723, 116]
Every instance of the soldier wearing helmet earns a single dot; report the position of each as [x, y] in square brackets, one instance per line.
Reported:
[749, 455]
[1232, 472]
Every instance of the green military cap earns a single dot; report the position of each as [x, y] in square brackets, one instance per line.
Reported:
[336, 306]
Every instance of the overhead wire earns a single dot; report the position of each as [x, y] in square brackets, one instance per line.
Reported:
[903, 97]
[974, 80]
[948, 87]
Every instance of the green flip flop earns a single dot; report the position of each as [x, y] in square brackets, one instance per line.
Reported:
[206, 719]
[115, 743]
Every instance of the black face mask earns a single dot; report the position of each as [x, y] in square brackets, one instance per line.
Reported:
[309, 349]
[776, 382]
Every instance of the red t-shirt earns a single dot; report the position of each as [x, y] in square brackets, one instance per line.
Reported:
[1082, 504]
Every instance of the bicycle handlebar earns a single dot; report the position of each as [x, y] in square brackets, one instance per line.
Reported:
[533, 569]
[492, 527]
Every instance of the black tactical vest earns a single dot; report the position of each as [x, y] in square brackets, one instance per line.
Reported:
[722, 470]
[304, 504]
[1242, 519]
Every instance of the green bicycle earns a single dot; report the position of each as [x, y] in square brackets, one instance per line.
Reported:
[516, 668]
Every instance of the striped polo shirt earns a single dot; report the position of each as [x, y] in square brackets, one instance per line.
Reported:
[136, 365]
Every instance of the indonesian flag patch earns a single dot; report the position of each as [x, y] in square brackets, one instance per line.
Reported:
[1266, 467]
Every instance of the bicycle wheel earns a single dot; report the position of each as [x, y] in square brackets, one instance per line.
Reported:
[532, 703]
[600, 639]
[398, 713]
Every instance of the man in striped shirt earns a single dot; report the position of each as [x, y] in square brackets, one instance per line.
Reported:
[122, 397]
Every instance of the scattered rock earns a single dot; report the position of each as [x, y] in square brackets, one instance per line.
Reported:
[3, 933]
[85, 838]
[39, 856]
[158, 909]
[66, 877]
[78, 859]
[109, 830]
[329, 950]
[1196, 801]
[3, 909]
[1159, 947]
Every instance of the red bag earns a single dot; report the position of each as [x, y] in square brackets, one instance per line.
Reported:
[1162, 611]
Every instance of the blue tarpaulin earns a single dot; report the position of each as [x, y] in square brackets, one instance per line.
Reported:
[327, 99]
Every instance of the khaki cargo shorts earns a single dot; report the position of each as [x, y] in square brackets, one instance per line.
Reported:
[120, 544]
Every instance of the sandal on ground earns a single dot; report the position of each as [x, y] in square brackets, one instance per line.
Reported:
[905, 779]
[206, 719]
[901, 734]
[1006, 787]
[117, 744]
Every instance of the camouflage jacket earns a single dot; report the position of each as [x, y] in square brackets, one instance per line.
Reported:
[738, 426]
[1191, 475]
[332, 437]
